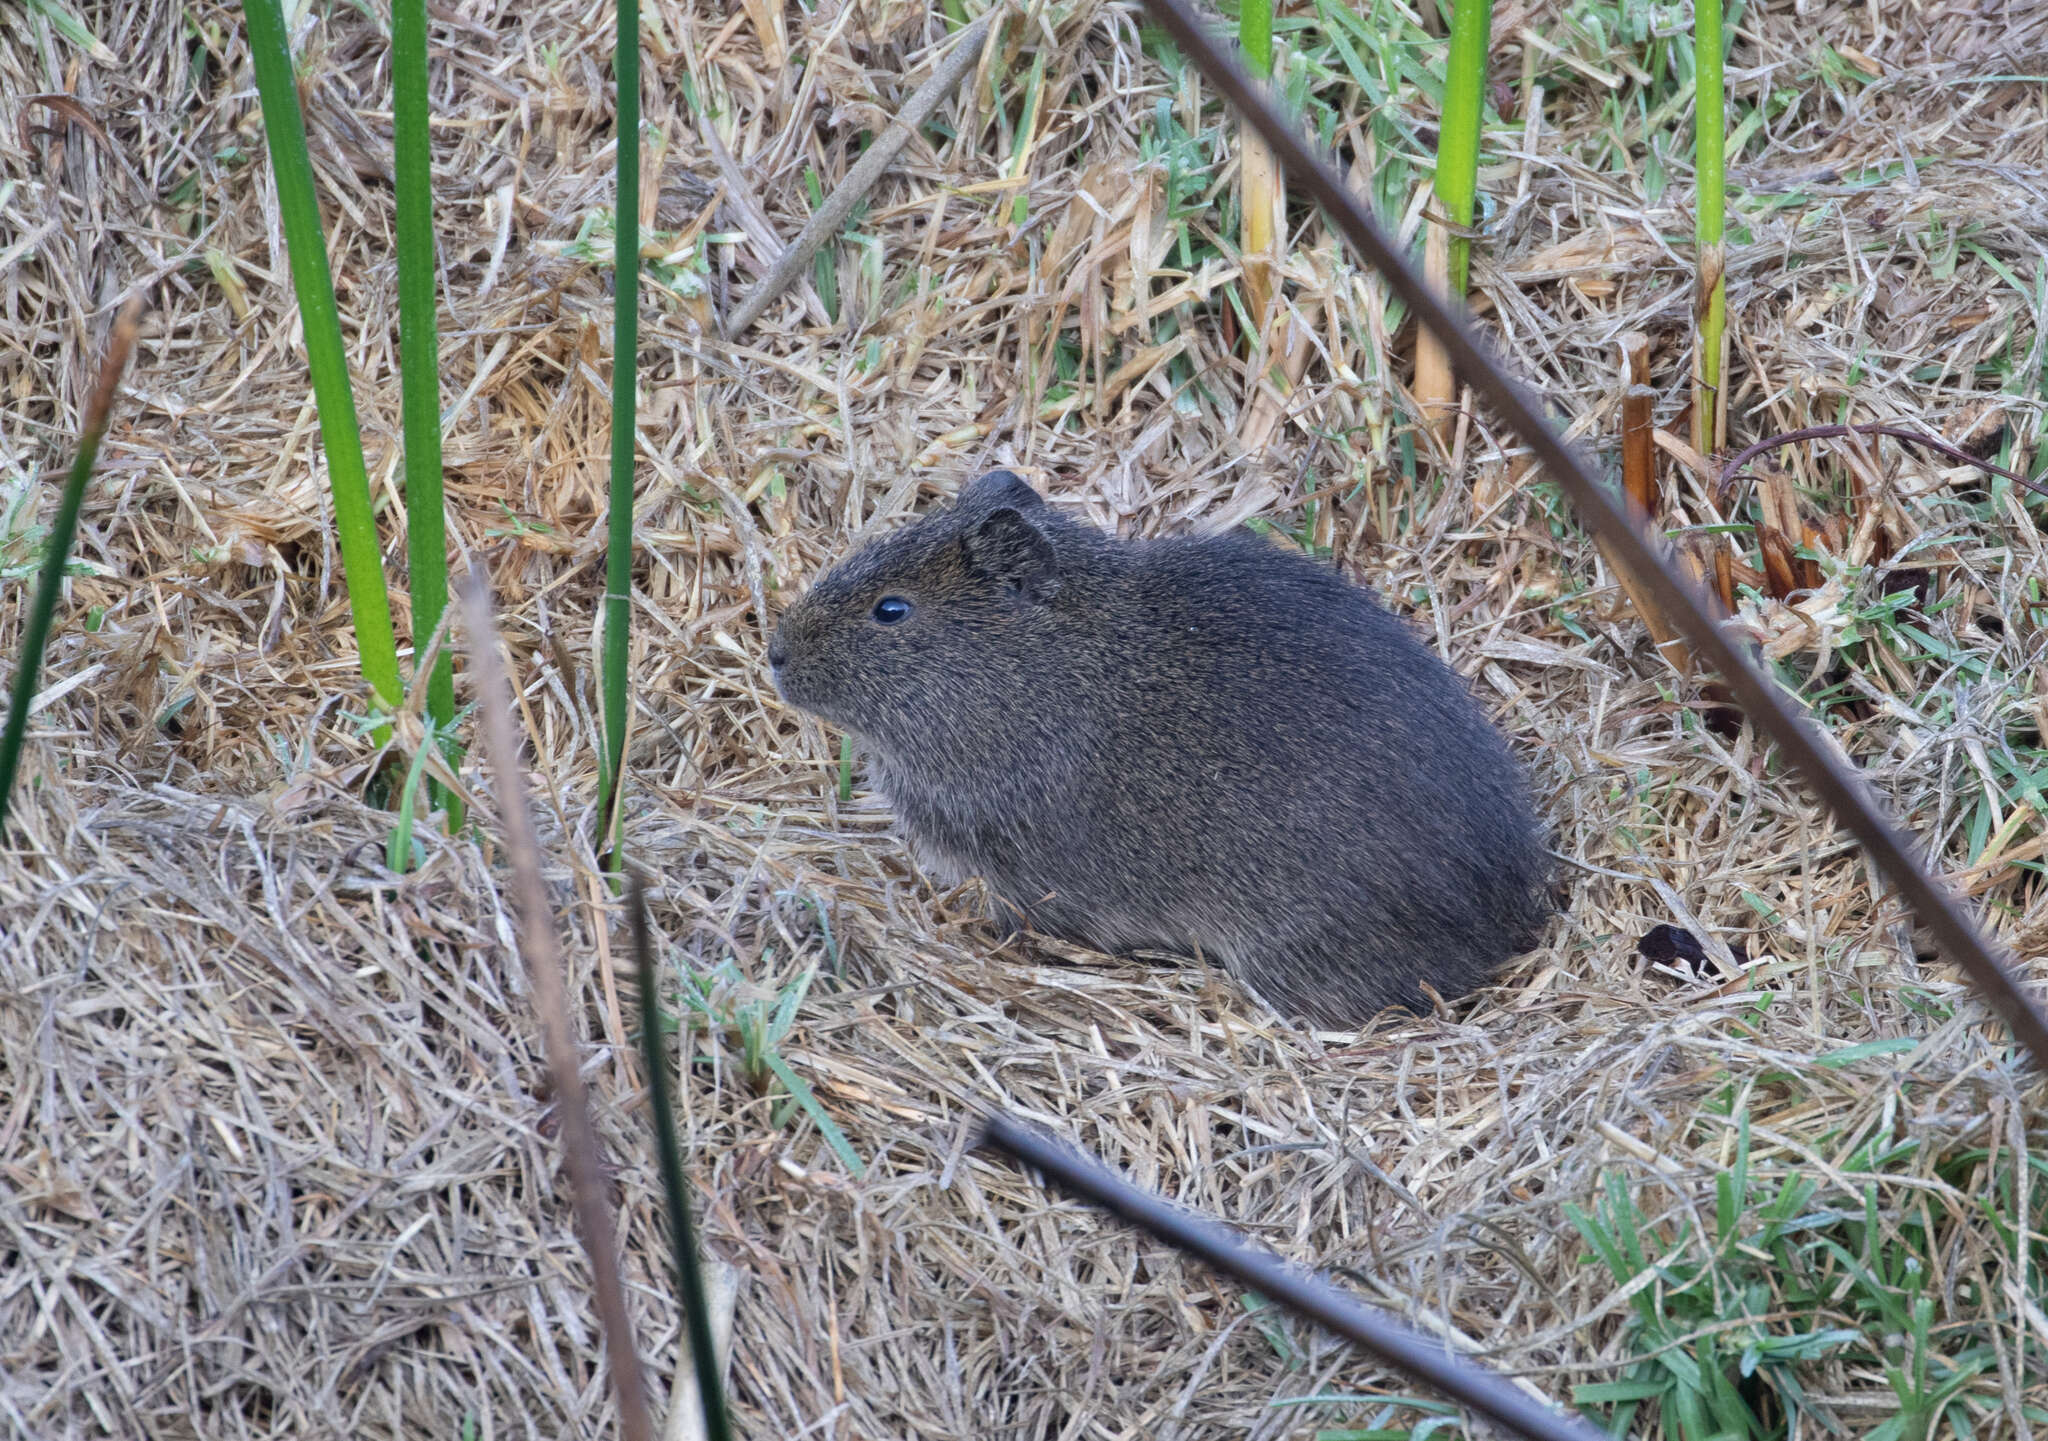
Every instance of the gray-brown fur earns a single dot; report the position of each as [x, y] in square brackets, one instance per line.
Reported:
[1196, 744]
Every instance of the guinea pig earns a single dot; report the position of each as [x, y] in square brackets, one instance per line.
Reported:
[1200, 744]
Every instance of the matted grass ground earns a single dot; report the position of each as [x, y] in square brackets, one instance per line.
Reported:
[276, 1157]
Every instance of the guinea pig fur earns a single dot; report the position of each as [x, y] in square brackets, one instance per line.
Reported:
[1204, 744]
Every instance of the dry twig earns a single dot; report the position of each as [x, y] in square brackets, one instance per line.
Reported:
[825, 223]
[1895, 432]
[538, 946]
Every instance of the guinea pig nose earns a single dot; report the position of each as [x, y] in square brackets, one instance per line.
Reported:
[777, 656]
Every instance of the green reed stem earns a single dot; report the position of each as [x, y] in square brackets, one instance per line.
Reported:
[1255, 35]
[618, 562]
[35, 629]
[1710, 118]
[355, 523]
[419, 374]
[1464, 114]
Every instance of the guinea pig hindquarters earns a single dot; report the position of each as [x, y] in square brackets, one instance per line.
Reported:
[1193, 744]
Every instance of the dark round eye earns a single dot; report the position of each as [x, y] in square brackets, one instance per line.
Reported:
[892, 610]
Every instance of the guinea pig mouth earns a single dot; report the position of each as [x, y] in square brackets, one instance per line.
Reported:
[789, 684]
[779, 666]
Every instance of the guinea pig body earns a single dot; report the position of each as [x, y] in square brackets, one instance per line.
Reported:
[1193, 744]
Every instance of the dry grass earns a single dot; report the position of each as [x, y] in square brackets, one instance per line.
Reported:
[273, 1159]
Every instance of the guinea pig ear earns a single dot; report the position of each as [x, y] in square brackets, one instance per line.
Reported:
[1006, 546]
[1000, 488]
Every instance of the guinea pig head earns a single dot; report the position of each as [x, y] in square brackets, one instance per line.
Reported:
[907, 638]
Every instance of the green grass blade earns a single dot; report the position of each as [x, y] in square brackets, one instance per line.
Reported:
[1027, 131]
[419, 361]
[1464, 113]
[74, 29]
[618, 562]
[1731, 1187]
[825, 264]
[674, 1184]
[361, 561]
[1601, 1239]
[35, 629]
[1710, 118]
[400, 851]
[800, 1089]
[1608, 1393]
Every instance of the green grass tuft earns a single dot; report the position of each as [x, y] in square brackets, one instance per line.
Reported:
[1734, 1306]
[723, 1000]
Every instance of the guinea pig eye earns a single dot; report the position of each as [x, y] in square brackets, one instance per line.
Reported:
[892, 610]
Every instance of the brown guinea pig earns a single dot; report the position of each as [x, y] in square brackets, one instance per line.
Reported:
[1201, 744]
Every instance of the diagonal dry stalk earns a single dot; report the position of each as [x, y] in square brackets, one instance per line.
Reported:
[1267, 1274]
[826, 220]
[543, 958]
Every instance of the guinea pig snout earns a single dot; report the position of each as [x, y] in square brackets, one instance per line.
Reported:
[784, 646]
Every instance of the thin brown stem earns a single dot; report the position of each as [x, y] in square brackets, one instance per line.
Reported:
[537, 944]
[1899, 433]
